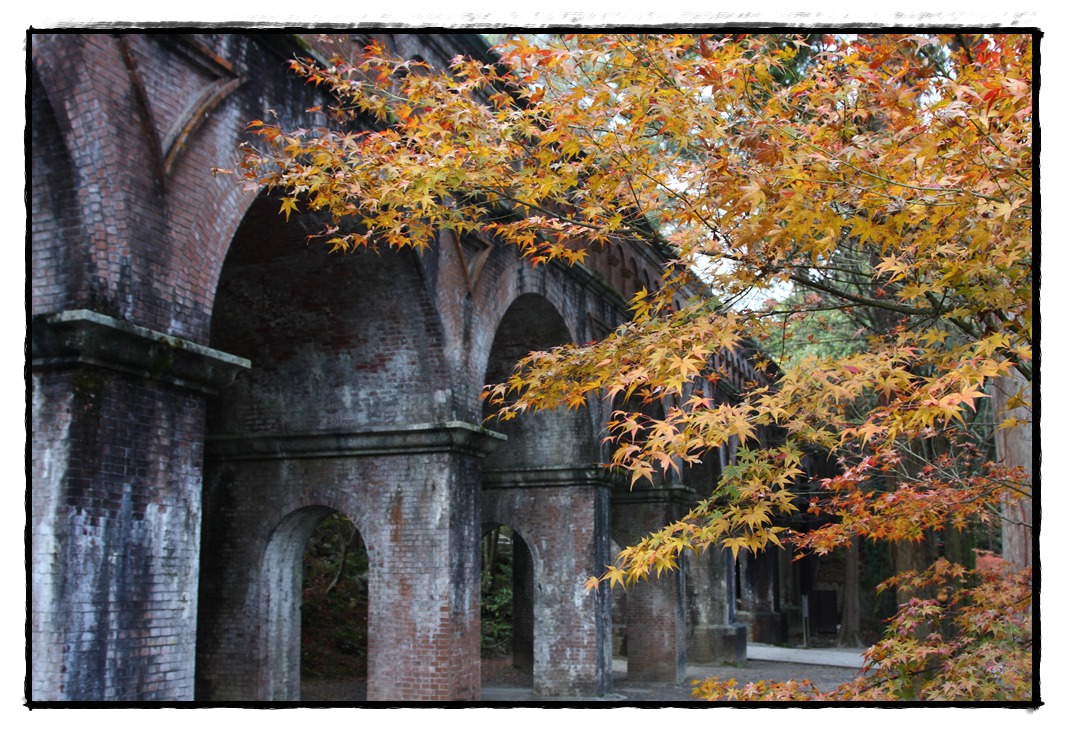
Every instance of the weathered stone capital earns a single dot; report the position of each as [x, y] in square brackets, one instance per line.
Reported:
[405, 440]
[87, 338]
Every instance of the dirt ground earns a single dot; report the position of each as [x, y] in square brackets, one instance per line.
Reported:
[502, 684]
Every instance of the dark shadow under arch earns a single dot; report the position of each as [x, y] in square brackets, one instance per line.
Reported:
[334, 613]
[508, 607]
[549, 438]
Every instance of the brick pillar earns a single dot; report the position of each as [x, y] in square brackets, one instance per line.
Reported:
[425, 622]
[715, 635]
[758, 601]
[117, 449]
[562, 514]
[655, 619]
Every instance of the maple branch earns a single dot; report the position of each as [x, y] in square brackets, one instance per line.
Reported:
[854, 298]
[882, 179]
[969, 330]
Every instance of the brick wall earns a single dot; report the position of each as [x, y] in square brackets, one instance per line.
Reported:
[124, 235]
[561, 516]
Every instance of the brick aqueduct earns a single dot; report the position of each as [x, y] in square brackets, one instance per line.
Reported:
[206, 388]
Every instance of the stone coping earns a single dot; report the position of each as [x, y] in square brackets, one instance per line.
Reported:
[86, 338]
[453, 436]
[675, 493]
[563, 476]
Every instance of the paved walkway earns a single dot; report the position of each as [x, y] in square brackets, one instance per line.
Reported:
[840, 657]
[827, 667]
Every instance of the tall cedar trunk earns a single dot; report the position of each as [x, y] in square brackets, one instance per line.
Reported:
[490, 548]
[911, 555]
[849, 636]
[1014, 448]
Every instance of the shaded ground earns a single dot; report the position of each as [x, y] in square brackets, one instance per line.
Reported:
[502, 684]
[824, 677]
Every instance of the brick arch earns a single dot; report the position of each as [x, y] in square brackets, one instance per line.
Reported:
[144, 119]
[251, 579]
[362, 395]
[280, 591]
[346, 363]
[508, 279]
[280, 582]
[529, 322]
[522, 525]
[336, 341]
[523, 596]
[412, 512]
[556, 437]
[111, 169]
[529, 602]
[59, 265]
[208, 209]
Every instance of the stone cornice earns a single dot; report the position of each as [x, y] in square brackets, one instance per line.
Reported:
[679, 494]
[454, 436]
[87, 338]
[565, 476]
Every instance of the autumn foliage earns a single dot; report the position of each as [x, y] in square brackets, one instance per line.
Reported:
[970, 641]
[882, 180]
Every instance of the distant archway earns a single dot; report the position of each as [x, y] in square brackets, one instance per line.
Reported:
[507, 608]
[334, 612]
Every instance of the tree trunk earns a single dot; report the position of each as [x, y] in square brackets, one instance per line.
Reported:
[911, 555]
[1014, 448]
[349, 545]
[490, 547]
[849, 636]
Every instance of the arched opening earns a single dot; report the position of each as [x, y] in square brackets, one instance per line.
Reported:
[313, 634]
[507, 610]
[337, 342]
[334, 611]
[342, 348]
[549, 438]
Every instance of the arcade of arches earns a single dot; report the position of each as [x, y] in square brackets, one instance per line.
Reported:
[207, 387]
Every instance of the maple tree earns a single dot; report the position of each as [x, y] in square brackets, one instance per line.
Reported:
[882, 181]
